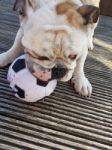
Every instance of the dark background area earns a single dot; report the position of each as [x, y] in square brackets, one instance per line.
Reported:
[106, 7]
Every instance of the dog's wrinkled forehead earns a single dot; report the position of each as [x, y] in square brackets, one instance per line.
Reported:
[43, 27]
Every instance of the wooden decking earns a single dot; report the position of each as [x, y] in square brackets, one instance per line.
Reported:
[63, 121]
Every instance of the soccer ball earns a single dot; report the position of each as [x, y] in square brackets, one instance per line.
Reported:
[26, 86]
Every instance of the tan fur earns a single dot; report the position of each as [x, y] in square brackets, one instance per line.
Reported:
[69, 9]
[33, 3]
[57, 32]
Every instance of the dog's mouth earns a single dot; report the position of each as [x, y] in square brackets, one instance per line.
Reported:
[57, 72]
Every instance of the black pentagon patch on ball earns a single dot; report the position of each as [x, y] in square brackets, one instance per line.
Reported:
[42, 83]
[19, 65]
[20, 92]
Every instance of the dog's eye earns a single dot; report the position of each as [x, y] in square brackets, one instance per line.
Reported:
[43, 58]
[72, 57]
[36, 56]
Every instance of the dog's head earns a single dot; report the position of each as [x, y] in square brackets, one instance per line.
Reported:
[56, 35]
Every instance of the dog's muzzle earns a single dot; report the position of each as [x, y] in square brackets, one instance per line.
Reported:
[59, 72]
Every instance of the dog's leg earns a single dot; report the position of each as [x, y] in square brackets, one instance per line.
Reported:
[11, 54]
[91, 29]
[80, 82]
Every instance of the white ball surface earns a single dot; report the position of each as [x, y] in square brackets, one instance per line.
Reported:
[25, 85]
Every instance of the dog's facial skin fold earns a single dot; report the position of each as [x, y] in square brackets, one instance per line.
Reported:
[57, 35]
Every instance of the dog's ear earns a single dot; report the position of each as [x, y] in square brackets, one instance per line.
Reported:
[20, 5]
[32, 3]
[23, 5]
[89, 13]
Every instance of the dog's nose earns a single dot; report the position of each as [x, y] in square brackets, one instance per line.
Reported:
[59, 72]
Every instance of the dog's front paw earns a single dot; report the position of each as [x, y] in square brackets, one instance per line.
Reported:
[4, 59]
[82, 86]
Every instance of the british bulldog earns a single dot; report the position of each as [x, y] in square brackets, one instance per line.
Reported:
[57, 35]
